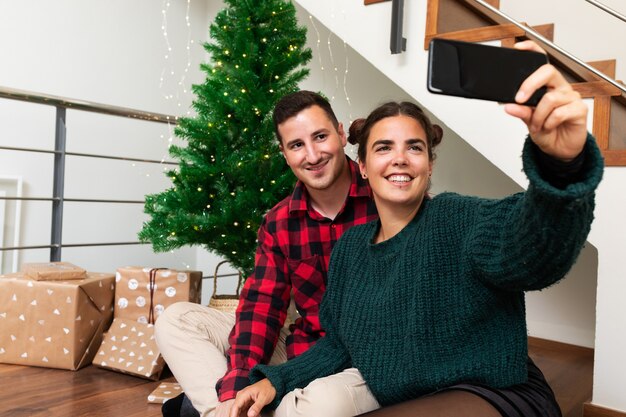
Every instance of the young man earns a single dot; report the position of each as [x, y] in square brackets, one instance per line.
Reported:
[295, 242]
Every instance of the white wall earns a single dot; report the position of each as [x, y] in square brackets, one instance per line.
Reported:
[566, 313]
[581, 28]
[109, 52]
[589, 33]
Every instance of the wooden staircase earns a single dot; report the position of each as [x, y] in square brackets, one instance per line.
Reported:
[466, 20]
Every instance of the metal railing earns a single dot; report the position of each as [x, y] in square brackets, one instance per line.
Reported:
[607, 9]
[536, 35]
[62, 104]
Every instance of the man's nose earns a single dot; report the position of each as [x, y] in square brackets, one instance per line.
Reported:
[312, 154]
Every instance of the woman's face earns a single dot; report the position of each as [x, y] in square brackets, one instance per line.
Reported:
[396, 163]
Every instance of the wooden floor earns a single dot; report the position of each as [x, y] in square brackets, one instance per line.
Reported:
[94, 392]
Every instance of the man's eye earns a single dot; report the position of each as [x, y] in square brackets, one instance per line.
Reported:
[296, 146]
[322, 136]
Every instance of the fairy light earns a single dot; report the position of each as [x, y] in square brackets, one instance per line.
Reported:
[339, 85]
[319, 40]
[332, 64]
[345, 82]
[181, 90]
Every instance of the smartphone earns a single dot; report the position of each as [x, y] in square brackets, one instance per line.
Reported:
[472, 70]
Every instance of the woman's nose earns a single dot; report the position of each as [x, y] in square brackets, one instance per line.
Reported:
[399, 159]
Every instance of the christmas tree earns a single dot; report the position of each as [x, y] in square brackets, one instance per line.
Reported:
[230, 172]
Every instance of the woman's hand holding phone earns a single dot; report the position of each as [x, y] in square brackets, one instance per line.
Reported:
[558, 123]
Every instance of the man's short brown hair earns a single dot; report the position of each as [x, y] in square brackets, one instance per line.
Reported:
[294, 103]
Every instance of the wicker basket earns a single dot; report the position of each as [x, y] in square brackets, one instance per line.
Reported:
[224, 302]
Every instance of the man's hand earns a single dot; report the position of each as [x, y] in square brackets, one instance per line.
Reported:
[223, 408]
[558, 124]
[252, 399]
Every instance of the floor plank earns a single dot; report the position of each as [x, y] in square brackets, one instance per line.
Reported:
[94, 392]
[91, 391]
[568, 369]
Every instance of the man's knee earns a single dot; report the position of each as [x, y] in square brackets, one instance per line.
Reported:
[319, 398]
[170, 319]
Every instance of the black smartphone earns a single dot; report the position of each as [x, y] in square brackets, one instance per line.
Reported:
[472, 70]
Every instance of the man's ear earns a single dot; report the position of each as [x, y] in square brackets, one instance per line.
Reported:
[282, 151]
[342, 134]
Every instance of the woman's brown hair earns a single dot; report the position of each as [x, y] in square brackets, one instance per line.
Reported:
[360, 128]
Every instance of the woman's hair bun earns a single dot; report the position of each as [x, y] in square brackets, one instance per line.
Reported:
[437, 135]
[354, 132]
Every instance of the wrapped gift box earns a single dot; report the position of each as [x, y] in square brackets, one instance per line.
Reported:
[142, 294]
[165, 391]
[55, 324]
[53, 271]
[129, 347]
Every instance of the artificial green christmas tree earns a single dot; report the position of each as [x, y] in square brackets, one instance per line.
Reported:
[230, 171]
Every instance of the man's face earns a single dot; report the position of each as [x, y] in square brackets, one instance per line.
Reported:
[313, 148]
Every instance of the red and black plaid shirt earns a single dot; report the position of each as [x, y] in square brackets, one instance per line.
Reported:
[294, 249]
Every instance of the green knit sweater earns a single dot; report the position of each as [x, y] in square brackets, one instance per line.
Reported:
[442, 302]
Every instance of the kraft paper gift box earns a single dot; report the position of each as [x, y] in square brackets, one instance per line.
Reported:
[53, 271]
[129, 347]
[54, 324]
[142, 294]
[165, 391]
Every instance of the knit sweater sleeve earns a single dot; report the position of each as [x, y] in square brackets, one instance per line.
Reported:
[530, 240]
[328, 356]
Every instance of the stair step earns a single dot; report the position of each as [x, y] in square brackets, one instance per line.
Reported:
[483, 34]
[367, 2]
[607, 66]
[592, 89]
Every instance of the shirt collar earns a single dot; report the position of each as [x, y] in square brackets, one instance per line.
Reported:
[358, 188]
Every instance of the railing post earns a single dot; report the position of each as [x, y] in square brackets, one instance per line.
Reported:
[58, 185]
[398, 42]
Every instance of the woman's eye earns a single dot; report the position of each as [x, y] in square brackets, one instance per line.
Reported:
[416, 147]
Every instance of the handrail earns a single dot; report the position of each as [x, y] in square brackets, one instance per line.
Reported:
[72, 200]
[90, 155]
[549, 43]
[607, 9]
[58, 198]
[70, 245]
[68, 103]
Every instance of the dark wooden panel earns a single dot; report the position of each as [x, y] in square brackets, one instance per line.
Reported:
[592, 410]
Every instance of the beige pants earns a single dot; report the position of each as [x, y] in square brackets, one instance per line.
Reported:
[193, 340]
[340, 395]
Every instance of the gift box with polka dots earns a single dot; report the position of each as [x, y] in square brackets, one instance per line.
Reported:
[143, 293]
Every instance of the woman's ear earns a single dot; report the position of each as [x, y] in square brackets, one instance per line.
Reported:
[362, 169]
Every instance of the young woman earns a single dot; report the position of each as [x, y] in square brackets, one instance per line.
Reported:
[428, 302]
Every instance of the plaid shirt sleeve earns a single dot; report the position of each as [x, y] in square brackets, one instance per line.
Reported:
[260, 314]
